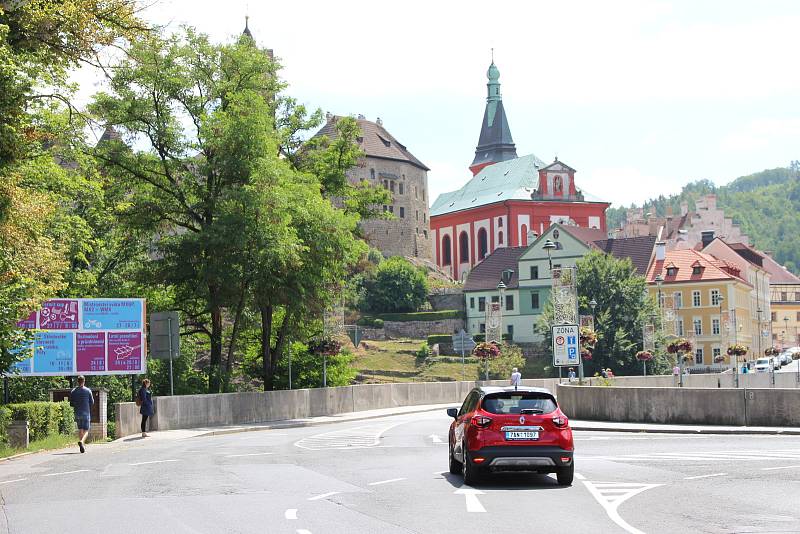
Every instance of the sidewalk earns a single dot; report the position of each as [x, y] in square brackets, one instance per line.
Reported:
[602, 426]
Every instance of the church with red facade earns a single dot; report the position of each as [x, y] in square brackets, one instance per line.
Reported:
[508, 201]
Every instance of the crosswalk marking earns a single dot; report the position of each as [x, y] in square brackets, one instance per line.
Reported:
[611, 494]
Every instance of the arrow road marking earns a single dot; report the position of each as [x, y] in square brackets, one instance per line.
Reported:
[435, 438]
[291, 513]
[471, 496]
[611, 494]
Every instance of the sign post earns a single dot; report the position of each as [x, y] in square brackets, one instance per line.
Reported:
[463, 342]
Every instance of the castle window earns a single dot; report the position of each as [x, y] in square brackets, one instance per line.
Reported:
[402, 212]
[446, 251]
[391, 186]
[372, 173]
[500, 222]
[400, 188]
[425, 234]
[391, 209]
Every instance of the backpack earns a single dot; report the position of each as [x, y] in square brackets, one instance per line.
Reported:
[139, 398]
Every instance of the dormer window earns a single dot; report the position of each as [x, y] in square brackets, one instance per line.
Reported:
[697, 270]
[672, 271]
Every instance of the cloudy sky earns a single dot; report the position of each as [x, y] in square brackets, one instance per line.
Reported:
[639, 96]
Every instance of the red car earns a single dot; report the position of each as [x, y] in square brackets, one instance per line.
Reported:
[510, 429]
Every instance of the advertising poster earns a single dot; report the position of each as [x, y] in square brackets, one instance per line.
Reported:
[112, 314]
[53, 352]
[124, 351]
[25, 365]
[59, 315]
[29, 323]
[90, 351]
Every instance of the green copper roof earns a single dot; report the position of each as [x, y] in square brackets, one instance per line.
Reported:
[514, 179]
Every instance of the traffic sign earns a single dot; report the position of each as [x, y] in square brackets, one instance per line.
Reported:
[566, 345]
[463, 342]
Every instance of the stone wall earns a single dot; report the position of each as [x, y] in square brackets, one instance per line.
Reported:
[449, 300]
[421, 329]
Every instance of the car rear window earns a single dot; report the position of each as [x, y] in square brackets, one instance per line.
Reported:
[515, 402]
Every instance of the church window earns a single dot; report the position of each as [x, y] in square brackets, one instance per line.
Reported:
[500, 238]
[425, 234]
[400, 188]
[524, 235]
[463, 247]
[446, 251]
[483, 246]
[372, 173]
[402, 212]
[500, 222]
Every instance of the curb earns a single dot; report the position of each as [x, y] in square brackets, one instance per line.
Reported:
[713, 431]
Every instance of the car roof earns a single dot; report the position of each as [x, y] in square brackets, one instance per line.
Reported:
[486, 390]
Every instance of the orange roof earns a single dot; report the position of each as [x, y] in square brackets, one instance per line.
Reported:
[685, 260]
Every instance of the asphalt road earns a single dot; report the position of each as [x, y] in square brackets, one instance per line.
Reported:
[388, 476]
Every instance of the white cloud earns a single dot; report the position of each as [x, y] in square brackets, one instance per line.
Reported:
[761, 133]
[629, 185]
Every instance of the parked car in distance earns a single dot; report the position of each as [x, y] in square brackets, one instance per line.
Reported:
[763, 365]
[510, 429]
[785, 358]
[776, 363]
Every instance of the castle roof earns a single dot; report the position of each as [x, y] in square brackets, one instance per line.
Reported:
[375, 141]
[495, 142]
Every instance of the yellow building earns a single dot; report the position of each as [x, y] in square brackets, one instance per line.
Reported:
[785, 315]
[704, 299]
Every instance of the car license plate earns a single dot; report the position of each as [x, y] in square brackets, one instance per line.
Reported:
[522, 435]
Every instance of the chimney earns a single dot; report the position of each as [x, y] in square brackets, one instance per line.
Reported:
[378, 121]
[328, 116]
[707, 237]
[360, 116]
[661, 251]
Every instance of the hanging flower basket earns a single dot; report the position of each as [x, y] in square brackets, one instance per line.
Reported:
[326, 347]
[679, 345]
[644, 355]
[588, 338]
[796, 355]
[688, 358]
[771, 351]
[586, 354]
[719, 359]
[486, 350]
[737, 350]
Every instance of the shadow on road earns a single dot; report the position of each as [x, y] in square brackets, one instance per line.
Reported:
[508, 481]
[135, 438]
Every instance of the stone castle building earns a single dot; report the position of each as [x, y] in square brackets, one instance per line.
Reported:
[389, 164]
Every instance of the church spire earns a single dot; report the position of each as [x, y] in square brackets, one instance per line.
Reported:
[247, 27]
[495, 143]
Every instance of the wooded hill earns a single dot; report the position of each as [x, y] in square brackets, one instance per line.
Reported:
[766, 205]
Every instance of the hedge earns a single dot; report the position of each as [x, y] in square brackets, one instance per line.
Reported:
[5, 420]
[422, 316]
[482, 337]
[439, 338]
[45, 418]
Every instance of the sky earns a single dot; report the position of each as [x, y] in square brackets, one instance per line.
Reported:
[640, 96]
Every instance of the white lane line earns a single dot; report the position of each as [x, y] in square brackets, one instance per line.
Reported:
[155, 462]
[580, 476]
[249, 454]
[471, 496]
[782, 467]
[66, 473]
[291, 513]
[303, 531]
[705, 476]
[385, 481]
[609, 496]
[15, 480]
[324, 495]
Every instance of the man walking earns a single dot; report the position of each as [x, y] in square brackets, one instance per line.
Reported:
[81, 400]
[516, 377]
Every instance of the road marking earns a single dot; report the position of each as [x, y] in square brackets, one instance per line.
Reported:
[471, 496]
[15, 480]
[706, 476]
[782, 467]
[154, 462]
[611, 494]
[291, 513]
[435, 438]
[66, 473]
[385, 481]
[724, 456]
[580, 476]
[249, 454]
[303, 531]
[324, 495]
[361, 437]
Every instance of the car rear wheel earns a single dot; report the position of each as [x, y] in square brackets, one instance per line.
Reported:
[565, 475]
[455, 465]
[469, 470]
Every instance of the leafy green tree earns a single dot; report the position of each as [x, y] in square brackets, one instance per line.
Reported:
[398, 286]
[511, 356]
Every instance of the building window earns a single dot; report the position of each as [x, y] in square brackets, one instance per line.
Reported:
[483, 244]
[698, 356]
[677, 300]
[679, 327]
[416, 192]
[535, 301]
[774, 317]
[391, 186]
[797, 296]
[696, 299]
[402, 212]
[672, 271]
[481, 303]
[509, 302]
[483, 328]
[423, 194]
[400, 188]
[500, 238]
[798, 317]
[511, 331]
[463, 248]
[534, 272]
[715, 327]
[472, 302]
[499, 222]
[424, 217]
[524, 235]
[784, 296]
[417, 214]
[372, 173]
[715, 297]
[425, 233]
[698, 327]
[715, 353]
[495, 298]
[446, 251]
[391, 209]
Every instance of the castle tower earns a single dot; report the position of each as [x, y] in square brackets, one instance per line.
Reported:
[495, 143]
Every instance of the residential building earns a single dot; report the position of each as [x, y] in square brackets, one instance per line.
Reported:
[509, 200]
[709, 299]
[388, 163]
[527, 275]
[785, 303]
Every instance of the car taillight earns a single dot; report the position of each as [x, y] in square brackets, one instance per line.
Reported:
[481, 421]
[560, 421]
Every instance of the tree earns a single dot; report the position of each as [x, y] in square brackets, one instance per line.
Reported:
[398, 286]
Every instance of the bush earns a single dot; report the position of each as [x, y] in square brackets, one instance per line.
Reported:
[66, 424]
[422, 316]
[377, 323]
[439, 338]
[43, 417]
[397, 286]
[510, 357]
[5, 419]
[482, 337]
[424, 352]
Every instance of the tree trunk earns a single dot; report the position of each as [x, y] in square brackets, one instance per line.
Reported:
[281, 341]
[216, 349]
[232, 342]
[266, 347]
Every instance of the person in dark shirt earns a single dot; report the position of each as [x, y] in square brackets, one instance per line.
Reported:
[145, 401]
[81, 399]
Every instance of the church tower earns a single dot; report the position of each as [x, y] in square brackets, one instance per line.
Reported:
[495, 143]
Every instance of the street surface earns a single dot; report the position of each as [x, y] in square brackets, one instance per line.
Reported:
[388, 476]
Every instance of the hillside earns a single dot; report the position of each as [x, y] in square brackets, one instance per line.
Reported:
[765, 204]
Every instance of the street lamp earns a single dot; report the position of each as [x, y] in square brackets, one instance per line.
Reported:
[548, 246]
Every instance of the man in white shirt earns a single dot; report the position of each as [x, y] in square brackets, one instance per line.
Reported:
[516, 377]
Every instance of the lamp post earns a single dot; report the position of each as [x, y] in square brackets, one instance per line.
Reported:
[592, 305]
[548, 246]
